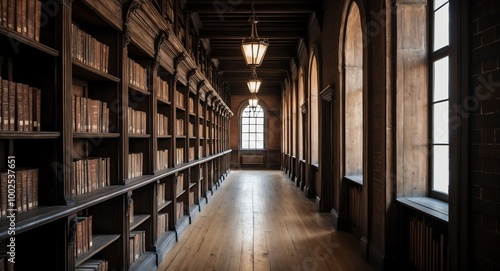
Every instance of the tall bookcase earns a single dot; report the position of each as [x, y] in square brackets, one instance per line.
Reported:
[113, 127]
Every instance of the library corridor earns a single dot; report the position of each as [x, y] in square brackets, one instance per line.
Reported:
[257, 220]
[169, 135]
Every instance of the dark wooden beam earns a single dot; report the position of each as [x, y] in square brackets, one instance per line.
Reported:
[277, 7]
[270, 33]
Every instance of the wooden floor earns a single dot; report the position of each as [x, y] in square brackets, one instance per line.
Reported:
[259, 220]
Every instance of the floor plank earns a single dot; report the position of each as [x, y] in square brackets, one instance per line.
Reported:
[259, 220]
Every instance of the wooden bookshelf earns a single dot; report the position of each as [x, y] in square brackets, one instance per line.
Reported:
[96, 59]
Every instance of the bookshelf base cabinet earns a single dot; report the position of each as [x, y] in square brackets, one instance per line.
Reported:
[163, 245]
[116, 138]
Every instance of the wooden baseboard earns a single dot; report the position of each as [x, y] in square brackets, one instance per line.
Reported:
[364, 248]
[377, 258]
[309, 191]
[339, 222]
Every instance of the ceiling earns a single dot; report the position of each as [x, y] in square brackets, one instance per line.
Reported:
[224, 23]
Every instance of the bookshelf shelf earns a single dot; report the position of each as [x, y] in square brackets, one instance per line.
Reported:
[99, 242]
[138, 219]
[164, 204]
[163, 101]
[180, 194]
[29, 135]
[139, 136]
[6, 32]
[83, 71]
[139, 90]
[163, 136]
[95, 135]
[191, 185]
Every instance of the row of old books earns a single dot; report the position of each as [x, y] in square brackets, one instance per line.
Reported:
[83, 241]
[22, 16]
[135, 162]
[162, 124]
[179, 127]
[90, 174]
[179, 156]
[201, 129]
[19, 190]
[20, 107]
[179, 99]
[191, 105]
[137, 75]
[179, 186]
[179, 206]
[90, 116]
[190, 129]
[89, 50]
[136, 121]
[137, 245]
[93, 265]
[161, 159]
[160, 193]
[162, 89]
[427, 246]
[191, 153]
[191, 199]
[162, 223]
[131, 210]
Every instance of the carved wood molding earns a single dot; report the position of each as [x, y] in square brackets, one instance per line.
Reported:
[178, 60]
[68, 2]
[159, 40]
[200, 85]
[129, 7]
[327, 93]
[191, 73]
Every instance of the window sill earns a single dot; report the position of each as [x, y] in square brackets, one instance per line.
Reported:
[435, 208]
[357, 179]
[315, 165]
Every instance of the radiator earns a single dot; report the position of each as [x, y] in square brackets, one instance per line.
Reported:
[252, 159]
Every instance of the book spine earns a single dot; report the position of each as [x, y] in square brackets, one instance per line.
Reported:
[89, 220]
[25, 120]
[11, 14]
[31, 14]
[4, 187]
[12, 106]
[79, 238]
[30, 108]
[38, 17]
[29, 189]
[24, 191]
[3, 13]
[4, 104]
[24, 17]
[19, 16]
[19, 196]
[35, 187]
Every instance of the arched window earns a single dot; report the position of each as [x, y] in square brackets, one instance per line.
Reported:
[301, 119]
[313, 79]
[353, 94]
[252, 128]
